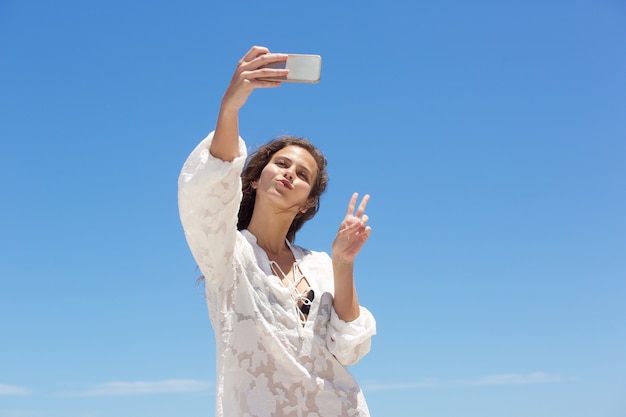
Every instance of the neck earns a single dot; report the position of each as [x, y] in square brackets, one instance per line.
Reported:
[270, 230]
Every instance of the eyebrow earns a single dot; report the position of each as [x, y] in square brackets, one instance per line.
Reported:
[306, 169]
[291, 160]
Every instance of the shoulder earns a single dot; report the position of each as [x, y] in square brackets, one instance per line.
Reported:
[243, 247]
[318, 263]
[308, 254]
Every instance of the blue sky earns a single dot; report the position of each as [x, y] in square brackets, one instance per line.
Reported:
[491, 136]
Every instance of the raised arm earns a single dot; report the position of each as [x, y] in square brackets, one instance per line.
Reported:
[352, 235]
[209, 191]
[247, 76]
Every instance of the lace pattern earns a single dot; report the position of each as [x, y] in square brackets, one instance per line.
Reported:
[271, 359]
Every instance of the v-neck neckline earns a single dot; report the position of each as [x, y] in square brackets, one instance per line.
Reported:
[279, 284]
[297, 256]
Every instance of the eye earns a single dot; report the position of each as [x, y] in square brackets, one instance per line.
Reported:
[280, 163]
[303, 175]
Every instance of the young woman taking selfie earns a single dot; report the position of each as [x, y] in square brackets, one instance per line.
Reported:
[287, 320]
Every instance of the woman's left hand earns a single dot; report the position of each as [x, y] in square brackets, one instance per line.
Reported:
[353, 231]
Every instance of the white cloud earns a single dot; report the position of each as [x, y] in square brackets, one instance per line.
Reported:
[489, 380]
[516, 379]
[425, 383]
[13, 390]
[146, 387]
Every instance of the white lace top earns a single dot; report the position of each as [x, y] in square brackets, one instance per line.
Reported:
[271, 360]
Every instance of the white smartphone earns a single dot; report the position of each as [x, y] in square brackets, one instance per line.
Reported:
[302, 69]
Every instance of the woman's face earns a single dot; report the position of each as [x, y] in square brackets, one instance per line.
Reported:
[288, 178]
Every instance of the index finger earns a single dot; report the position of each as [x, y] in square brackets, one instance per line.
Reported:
[254, 52]
[267, 61]
[352, 204]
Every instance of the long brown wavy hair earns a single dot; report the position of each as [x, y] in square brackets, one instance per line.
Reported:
[252, 172]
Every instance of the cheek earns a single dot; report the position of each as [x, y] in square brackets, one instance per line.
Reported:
[309, 193]
[265, 174]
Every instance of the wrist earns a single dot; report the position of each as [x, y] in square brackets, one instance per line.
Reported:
[341, 262]
[228, 107]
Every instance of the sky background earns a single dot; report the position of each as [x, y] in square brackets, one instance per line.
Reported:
[490, 134]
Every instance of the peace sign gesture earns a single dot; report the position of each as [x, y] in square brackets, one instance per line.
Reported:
[353, 231]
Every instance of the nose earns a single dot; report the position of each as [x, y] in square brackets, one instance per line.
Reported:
[289, 174]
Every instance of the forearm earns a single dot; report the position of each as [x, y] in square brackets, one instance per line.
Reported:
[346, 302]
[352, 235]
[248, 76]
[225, 145]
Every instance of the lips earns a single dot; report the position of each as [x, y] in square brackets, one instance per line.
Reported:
[286, 184]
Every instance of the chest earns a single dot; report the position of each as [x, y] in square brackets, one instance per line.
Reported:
[290, 274]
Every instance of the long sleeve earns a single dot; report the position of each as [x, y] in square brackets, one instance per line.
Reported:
[347, 341]
[350, 341]
[209, 194]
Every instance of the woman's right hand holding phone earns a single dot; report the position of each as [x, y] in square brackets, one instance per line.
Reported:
[251, 69]
[249, 74]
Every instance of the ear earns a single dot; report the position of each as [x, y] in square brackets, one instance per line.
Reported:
[254, 184]
[309, 203]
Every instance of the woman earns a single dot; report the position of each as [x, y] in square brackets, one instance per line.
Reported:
[287, 320]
